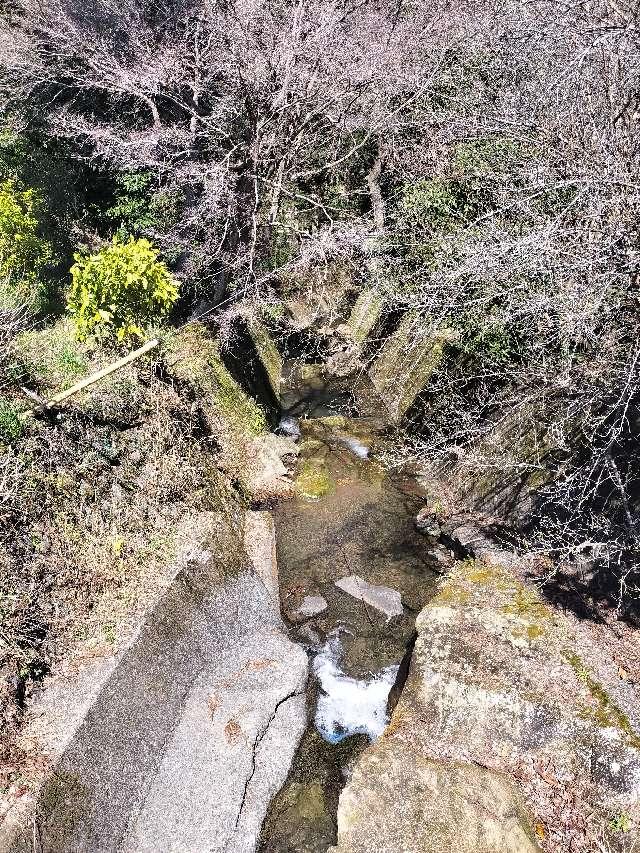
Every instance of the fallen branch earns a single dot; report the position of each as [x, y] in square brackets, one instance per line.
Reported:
[95, 377]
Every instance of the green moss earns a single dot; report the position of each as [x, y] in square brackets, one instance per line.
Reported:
[305, 800]
[233, 402]
[521, 602]
[538, 478]
[268, 354]
[475, 572]
[309, 446]
[194, 358]
[63, 803]
[606, 713]
[314, 481]
[407, 361]
[480, 572]
[528, 632]
[332, 422]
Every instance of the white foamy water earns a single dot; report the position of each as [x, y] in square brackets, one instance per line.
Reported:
[356, 446]
[349, 706]
[289, 426]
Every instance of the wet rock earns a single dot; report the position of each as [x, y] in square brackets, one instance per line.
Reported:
[383, 598]
[301, 818]
[308, 635]
[305, 822]
[358, 448]
[441, 558]
[314, 480]
[290, 426]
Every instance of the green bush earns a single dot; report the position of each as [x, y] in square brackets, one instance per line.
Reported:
[120, 290]
[484, 335]
[10, 423]
[139, 208]
[23, 253]
[14, 152]
[428, 205]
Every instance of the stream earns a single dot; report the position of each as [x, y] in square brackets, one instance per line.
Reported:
[354, 574]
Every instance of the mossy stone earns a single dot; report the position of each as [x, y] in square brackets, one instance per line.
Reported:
[314, 480]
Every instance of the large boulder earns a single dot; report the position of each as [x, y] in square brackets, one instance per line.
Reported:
[400, 800]
[510, 734]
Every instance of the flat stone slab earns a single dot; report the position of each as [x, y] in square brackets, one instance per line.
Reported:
[222, 765]
[382, 598]
[194, 730]
[310, 606]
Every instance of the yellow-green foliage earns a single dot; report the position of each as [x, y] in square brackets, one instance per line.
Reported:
[23, 253]
[120, 290]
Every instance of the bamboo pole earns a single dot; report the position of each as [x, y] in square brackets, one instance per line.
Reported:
[100, 374]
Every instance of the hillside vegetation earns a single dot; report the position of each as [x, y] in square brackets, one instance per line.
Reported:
[169, 166]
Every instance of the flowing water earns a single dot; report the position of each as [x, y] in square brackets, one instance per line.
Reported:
[352, 524]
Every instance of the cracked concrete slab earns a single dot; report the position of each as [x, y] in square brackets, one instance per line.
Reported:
[193, 731]
[222, 764]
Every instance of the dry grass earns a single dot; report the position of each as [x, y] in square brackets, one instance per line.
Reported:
[89, 503]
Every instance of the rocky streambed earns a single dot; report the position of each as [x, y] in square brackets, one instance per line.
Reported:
[354, 574]
[449, 706]
[320, 673]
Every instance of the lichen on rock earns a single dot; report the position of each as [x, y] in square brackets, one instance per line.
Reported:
[496, 721]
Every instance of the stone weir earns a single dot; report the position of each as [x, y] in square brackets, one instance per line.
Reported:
[192, 729]
[347, 323]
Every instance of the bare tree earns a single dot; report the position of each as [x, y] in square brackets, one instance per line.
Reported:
[490, 149]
